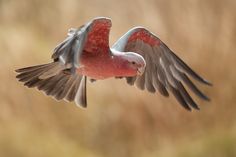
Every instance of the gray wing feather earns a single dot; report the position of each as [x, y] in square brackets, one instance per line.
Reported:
[73, 90]
[131, 80]
[148, 74]
[140, 82]
[61, 85]
[81, 97]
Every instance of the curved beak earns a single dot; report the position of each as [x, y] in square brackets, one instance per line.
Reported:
[140, 71]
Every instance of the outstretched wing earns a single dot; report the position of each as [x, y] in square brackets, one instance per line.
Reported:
[164, 70]
[58, 79]
[88, 38]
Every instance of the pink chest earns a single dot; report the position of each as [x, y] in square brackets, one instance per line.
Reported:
[97, 66]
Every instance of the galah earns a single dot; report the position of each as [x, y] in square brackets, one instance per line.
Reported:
[139, 56]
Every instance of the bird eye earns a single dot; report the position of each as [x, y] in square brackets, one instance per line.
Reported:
[133, 62]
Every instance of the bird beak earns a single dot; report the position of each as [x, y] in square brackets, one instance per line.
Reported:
[140, 71]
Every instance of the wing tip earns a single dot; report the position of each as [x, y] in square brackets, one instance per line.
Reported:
[206, 82]
[81, 105]
[206, 98]
[196, 107]
[17, 70]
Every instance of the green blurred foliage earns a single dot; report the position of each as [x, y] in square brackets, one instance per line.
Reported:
[119, 122]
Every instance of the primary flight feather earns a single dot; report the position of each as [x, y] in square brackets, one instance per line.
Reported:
[139, 56]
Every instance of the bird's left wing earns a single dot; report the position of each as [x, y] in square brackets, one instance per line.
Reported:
[164, 69]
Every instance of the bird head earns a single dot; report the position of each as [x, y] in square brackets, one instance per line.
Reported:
[135, 62]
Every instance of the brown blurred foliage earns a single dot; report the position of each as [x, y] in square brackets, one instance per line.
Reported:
[120, 120]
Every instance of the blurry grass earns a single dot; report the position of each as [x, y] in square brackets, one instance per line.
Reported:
[119, 121]
[33, 141]
[215, 144]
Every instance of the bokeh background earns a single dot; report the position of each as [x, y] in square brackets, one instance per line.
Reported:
[120, 120]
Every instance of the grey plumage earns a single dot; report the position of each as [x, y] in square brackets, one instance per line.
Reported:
[58, 79]
[59, 84]
[70, 50]
[164, 69]
[81, 94]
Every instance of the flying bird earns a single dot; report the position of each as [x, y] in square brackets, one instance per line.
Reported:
[139, 56]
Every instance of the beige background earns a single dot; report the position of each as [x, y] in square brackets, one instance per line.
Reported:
[120, 120]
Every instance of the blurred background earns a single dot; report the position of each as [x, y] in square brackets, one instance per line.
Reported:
[120, 120]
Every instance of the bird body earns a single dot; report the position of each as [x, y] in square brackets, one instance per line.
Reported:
[104, 66]
[98, 60]
[139, 56]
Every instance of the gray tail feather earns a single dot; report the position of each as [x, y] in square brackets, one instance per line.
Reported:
[56, 81]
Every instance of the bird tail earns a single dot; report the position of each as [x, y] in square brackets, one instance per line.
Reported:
[56, 81]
